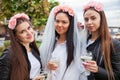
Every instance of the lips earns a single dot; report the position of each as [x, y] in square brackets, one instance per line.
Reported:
[59, 29]
[90, 27]
[29, 37]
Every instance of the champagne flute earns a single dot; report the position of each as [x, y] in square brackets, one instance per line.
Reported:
[55, 61]
[86, 57]
[53, 64]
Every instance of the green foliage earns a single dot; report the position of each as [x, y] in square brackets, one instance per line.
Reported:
[53, 3]
[6, 43]
[38, 43]
[1, 49]
[38, 10]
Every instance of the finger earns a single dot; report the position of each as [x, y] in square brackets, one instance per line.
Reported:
[40, 77]
[52, 66]
[92, 68]
[91, 62]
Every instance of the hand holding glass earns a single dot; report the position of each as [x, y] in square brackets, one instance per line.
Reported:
[53, 63]
[86, 57]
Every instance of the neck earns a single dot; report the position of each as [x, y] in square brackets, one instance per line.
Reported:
[62, 39]
[95, 35]
[27, 46]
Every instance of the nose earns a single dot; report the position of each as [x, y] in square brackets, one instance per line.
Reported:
[28, 32]
[59, 24]
[89, 21]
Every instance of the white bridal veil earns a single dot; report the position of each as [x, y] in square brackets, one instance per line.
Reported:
[49, 40]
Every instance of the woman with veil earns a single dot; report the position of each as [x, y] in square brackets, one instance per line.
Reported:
[62, 40]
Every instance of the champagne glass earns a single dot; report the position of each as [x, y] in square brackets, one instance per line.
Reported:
[55, 61]
[86, 57]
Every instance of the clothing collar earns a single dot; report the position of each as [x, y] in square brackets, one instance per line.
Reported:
[89, 36]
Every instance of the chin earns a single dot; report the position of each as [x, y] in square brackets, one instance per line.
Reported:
[31, 40]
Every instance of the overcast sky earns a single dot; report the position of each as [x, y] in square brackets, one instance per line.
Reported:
[111, 8]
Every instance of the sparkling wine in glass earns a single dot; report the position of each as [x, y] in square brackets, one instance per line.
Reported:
[86, 57]
[55, 61]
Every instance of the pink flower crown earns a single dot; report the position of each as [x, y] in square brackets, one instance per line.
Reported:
[96, 5]
[64, 9]
[12, 21]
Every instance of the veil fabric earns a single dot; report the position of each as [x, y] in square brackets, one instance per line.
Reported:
[76, 70]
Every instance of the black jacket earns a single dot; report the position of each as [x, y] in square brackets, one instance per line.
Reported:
[5, 62]
[95, 48]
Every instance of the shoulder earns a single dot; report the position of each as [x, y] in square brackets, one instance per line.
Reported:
[6, 55]
[5, 65]
[116, 48]
[116, 44]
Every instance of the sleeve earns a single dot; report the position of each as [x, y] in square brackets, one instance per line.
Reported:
[115, 59]
[5, 65]
[115, 62]
[101, 74]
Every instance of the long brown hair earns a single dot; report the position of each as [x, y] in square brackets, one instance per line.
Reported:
[19, 64]
[106, 42]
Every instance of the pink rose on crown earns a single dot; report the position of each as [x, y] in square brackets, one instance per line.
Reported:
[17, 16]
[98, 7]
[71, 13]
[85, 7]
[24, 16]
[12, 23]
[65, 9]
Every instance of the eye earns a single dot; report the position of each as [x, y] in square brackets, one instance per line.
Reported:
[86, 19]
[22, 31]
[64, 22]
[93, 17]
[29, 27]
[57, 21]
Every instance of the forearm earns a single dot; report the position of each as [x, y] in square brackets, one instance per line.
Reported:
[4, 67]
[4, 73]
[101, 74]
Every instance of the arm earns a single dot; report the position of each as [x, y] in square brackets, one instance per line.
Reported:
[5, 65]
[101, 74]
[115, 59]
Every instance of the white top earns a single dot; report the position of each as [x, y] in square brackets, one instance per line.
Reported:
[90, 42]
[73, 72]
[35, 65]
[60, 52]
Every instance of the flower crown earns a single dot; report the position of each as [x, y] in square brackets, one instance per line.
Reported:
[12, 21]
[96, 5]
[64, 9]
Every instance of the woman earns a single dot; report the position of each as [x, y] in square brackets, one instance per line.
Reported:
[21, 61]
[105, 50]
[61, 41]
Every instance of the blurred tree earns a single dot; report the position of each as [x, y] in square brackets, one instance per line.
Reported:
[38, 10]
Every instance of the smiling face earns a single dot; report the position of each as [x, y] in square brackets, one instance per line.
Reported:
[92, 20]
[25, 33]
[61, 23]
